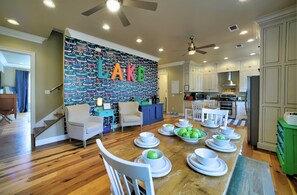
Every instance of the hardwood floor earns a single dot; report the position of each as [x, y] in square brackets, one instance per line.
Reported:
[67, 168]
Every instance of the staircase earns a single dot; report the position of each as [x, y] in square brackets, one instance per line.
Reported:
[47, 124]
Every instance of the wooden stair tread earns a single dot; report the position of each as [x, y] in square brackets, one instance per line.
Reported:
[38, 130]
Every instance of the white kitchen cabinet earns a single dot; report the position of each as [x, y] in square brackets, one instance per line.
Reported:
[195, 78]
[210, 82]
[243, 74]
[240, 110]
[278, 57]
[228, 66]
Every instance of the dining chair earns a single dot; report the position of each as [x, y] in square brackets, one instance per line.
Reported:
[130, 115]
[80, 125]
[197, 110]
[125, 175]
[219, 116]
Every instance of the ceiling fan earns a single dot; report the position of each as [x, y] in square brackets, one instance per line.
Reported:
[114, 6]
[192, 49]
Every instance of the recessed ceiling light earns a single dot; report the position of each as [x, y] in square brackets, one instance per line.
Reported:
[216, 47]
[204, 61]
[113, 5]
[49, 3]
[161, 49]
[243, 32]
[106, 27]
[12, 21]
[242, 0]
[138, 40]
[250, 40]
[226, 58]
[252, 54]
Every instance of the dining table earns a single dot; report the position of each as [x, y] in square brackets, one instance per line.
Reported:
[182, 179]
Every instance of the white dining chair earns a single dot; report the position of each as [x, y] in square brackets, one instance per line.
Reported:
[124, 175]
[197, 110]
[219, 116]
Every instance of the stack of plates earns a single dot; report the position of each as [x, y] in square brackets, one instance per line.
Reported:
[160, 171]
[138, 142]
[231, 147]
[167, 133]
[179, 125]
[218, 169]
[209, 126]
[231, 136]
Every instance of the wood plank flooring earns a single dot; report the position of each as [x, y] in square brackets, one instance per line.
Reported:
[67, 168]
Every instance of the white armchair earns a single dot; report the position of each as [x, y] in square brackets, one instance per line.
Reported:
[129, 114]
[80, 125]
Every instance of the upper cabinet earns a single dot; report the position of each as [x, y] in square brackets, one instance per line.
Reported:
[248, 67]
[210, 78]
[228, 66]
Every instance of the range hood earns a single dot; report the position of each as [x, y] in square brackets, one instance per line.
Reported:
[229, 82]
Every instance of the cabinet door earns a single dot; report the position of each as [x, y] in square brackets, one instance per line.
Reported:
[210, 82]
[271, 85]
[159, 112]
[272, 41]
[145, 114]
[243, 80]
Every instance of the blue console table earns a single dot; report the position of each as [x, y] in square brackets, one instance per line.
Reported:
[151, 113]
[105, 113]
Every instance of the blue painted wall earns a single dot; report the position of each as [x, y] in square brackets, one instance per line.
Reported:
[81, 84]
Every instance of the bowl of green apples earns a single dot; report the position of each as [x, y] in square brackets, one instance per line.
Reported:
[221, 140]
[190, 134]
[153, 157]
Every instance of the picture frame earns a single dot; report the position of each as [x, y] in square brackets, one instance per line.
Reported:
[186, 88]
[106, 106]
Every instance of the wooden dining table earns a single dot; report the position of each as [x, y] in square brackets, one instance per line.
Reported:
[182, 179]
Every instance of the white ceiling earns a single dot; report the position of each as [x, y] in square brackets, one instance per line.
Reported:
[168, 27]
[16, 60]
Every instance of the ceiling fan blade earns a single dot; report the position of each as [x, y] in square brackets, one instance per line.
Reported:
[141, 4]
[94, 9]
[123, 18]
[200, 51]
[206, 46]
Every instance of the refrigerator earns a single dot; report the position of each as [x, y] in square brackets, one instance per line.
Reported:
[252, 108]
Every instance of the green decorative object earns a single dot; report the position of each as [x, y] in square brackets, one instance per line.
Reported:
[287, 146]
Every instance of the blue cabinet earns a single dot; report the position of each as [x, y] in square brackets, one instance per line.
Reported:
[151, 113]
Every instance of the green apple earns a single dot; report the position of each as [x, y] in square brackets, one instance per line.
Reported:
[182, 131]
[187, 134]
[189, 128]
[151, 154]
[168, 125]
[194, 134]
[221, 137]
[195, 129]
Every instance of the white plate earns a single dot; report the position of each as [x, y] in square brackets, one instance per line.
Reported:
[229, 148]
[179, 125]
[160, 172]
[197, 164]
[209, 126]
[141, 144]
[233, 136]
[162, 132]
[221, 171]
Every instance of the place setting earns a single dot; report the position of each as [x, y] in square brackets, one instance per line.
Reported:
[209, 123]
[229, 132]
[146, 140]
[160, 164]
[221, 143]
[167, 130]
[183, 123]
[207, 162]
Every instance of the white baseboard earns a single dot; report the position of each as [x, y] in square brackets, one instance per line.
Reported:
[51, 140]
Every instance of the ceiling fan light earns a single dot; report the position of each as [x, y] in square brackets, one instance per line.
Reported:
[113, 5]
[192, 52]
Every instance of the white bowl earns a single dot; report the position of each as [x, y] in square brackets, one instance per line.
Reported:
[183, 122]
[206, 156]
[168, 127]
[155, 163]
[221, 142]
[209, 122]
[227, 130]
[189, 139]
[147, 137]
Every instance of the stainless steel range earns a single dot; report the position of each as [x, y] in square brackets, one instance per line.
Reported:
[228, 102]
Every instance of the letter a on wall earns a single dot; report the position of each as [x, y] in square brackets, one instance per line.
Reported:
[117, 71]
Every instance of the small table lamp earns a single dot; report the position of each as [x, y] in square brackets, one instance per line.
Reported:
[99, 103]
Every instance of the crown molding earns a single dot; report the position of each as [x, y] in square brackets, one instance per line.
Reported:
[21, 35]
[172, 64]
[98, 41]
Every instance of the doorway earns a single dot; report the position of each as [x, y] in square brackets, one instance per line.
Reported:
[163, 90]
[17, 134]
